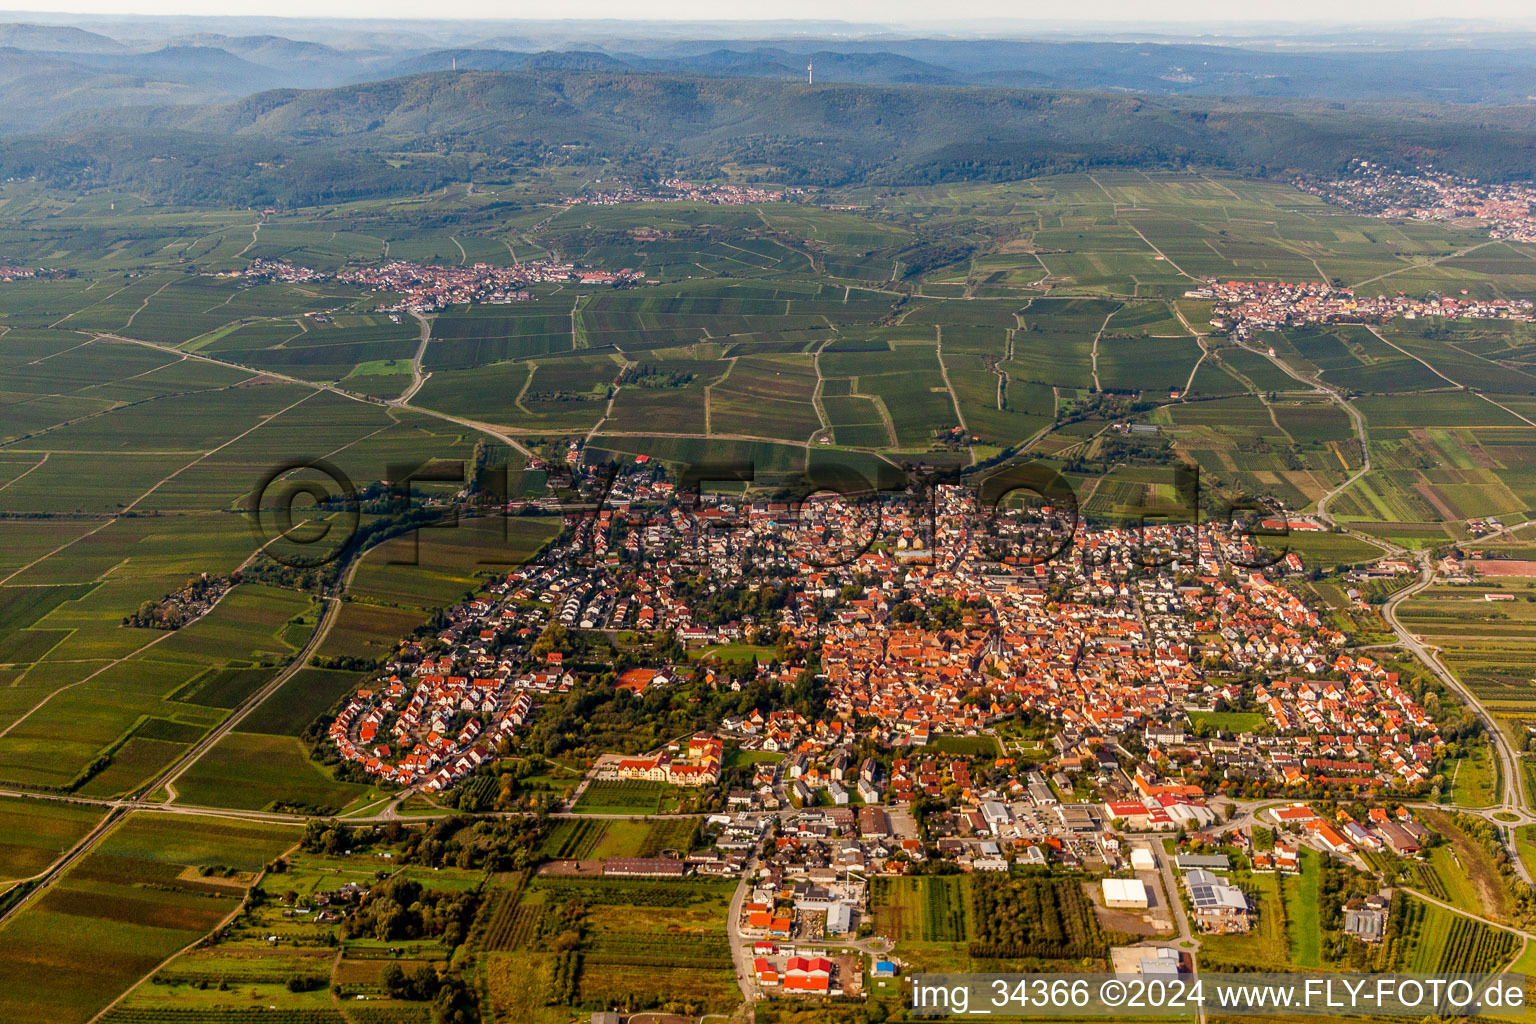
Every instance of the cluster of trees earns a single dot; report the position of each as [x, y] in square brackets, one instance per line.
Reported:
[206, 169]
[494, 844]
[1030, 917]
[646, 375]
[595, 718]
[265, 569]
[462, 841]
[945, 613]
[713, 605]
[265, 151]
[453, 1002]
[1337, 884]
[928, 255]
[505, 784]
[175, 610]
[401, 909]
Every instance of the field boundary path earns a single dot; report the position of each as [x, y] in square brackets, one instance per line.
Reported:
[418, 375]
[483, 428]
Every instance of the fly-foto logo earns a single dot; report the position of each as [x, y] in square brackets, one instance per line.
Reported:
[307, 514]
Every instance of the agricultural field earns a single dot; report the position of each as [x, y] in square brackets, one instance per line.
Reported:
[933, 909]
[647, 943]
[983, 746]
[138, 897]
[575, 839]
[1452, 612]
[279, 956]
[157, 702]
[965, 922]
[34, 832]
[1438, 941]
[254, 771]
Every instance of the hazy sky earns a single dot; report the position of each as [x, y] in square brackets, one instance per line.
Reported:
[893, 12]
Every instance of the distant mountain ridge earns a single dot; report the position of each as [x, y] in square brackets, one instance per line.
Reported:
[209, 67]
[294, 145]
[224, 111]
[831, 66]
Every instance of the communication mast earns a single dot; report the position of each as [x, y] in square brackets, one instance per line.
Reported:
[808, 69]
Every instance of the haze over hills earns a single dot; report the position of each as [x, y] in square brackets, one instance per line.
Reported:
[231, 110]
[150, 61]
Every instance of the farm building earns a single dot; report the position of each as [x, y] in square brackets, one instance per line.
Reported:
[1366, 919]
[1398, 839]
[644, 867]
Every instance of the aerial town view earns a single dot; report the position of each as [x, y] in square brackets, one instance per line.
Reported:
[824, 516]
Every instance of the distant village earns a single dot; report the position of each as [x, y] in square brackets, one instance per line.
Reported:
[1243, 307]
[1507, 211]
[13, 273]
[676, 190]
[428, 287]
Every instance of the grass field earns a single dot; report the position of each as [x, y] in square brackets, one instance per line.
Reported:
[975, 746]
[1301, 911]
[1467, 876]
[1268, 946]
[1475, 779]
[1237, 722]
[736, 756]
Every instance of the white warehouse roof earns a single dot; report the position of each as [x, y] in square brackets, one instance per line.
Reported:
[1125, 890]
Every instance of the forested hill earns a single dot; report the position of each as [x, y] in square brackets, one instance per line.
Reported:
[307, 145]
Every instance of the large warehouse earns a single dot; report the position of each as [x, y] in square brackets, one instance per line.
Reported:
[1127, 893]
